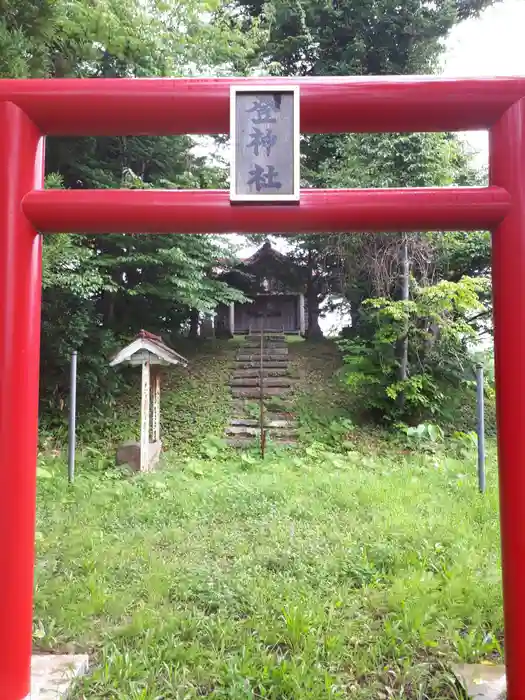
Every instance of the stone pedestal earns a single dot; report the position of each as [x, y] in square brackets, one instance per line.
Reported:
[52, 675]
[129, 453]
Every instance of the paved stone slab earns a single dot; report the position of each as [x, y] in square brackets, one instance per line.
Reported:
[482, 681]
[52, 675]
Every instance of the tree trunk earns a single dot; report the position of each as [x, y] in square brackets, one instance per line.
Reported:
[194, 324]
[108, 308]
[314, 331]
[355, 314]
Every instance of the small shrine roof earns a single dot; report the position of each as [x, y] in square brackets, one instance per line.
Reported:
[148, 347]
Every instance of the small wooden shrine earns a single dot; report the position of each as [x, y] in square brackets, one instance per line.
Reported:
[151, 353]
[275, 286]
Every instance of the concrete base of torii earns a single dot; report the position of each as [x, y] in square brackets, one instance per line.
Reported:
[52, 675]
[482, 681]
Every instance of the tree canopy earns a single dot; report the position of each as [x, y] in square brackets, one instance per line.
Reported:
[104, 288]
[99, 289]
[377, 37]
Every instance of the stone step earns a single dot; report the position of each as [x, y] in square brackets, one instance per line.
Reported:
[256, 372]
[256, 350]
[273, 364]
[256, 359]
[240, 430]
[284, 405]
[267, 357]
[266, 334]
[255, 392]
[269, 423]
[256, 381]
[247, 443]
[283, 412]
[266, 339]
[275, 421]
[266, 344]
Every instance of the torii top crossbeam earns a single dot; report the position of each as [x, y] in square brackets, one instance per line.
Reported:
[160, 106]
[201, 106]
[30, 110]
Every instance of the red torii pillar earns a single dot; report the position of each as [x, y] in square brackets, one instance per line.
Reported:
[507, 169]
[31, 109]
[21, 170]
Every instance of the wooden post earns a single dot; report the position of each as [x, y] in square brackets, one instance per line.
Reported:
[302, 318]
[232, 318]
[156, 405]
[145, 417]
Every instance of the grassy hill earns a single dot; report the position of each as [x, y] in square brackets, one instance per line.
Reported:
[350, 567]
[196, 401]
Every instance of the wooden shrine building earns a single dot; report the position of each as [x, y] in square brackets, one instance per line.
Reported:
[275, 286]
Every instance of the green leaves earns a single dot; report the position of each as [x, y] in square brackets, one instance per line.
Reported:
[99, 289]
[213, 446]
[381, 37]
[426, 431]
[439, 324]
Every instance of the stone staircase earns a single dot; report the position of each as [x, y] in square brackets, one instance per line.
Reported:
[277, 387]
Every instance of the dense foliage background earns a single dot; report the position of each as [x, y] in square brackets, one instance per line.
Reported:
[416, 301]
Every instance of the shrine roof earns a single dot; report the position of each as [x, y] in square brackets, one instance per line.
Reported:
[151, 347]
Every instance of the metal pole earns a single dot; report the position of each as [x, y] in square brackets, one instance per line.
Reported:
[480, 416]
[262, 434]
[72, 432]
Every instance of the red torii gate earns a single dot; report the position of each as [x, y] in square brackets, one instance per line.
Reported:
[31, 109]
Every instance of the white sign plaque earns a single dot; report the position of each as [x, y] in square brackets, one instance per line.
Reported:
[264, 132]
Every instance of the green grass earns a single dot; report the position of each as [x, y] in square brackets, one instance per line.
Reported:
[321, 400]
[310, 575]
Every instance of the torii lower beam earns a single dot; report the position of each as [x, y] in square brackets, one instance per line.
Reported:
[319, 211]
